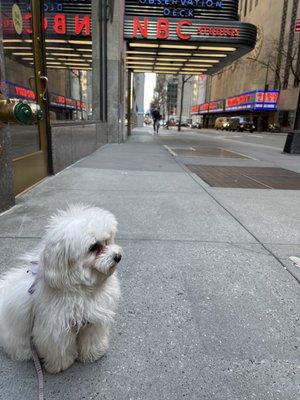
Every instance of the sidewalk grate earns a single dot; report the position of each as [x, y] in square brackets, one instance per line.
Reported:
[195, 151]
[247, 177]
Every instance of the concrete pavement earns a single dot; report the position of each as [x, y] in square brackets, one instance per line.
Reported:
[210, 301]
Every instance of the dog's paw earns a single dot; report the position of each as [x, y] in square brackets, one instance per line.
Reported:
[21, 354]
[92, 354]
[58, 365]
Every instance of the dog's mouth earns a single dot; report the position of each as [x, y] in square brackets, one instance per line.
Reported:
[107, 269]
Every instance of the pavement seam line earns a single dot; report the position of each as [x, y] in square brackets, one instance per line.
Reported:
[150, 239]
[240, 154]
[239, 222]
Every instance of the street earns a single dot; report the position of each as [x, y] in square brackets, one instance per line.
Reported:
[210, 299]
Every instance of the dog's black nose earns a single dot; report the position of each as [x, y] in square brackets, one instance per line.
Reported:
[117, 258]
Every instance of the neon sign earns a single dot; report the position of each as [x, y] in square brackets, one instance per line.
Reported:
[25, 93]
[185, 29]
[255, 100]
[195, 109]
[60, 24]
[212, 107]
[182, 8]
[56, 100]
[54, 24]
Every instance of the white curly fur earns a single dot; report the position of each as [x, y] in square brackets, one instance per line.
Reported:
[75, 294]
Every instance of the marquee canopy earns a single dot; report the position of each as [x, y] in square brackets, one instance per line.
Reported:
[208, 37]
[67, 25]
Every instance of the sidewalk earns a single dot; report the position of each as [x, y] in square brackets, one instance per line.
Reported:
[210, 303]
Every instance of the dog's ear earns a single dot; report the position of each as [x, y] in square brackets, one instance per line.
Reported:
[56, 265]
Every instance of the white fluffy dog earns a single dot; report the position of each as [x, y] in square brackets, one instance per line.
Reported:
[66, 295]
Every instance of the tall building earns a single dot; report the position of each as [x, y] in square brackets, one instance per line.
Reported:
[172, 97]
[166, 95]
[193, 93]
[138, 111]
[274, 64]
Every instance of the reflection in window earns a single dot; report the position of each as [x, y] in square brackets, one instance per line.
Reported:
[18, 62]
[69, 61]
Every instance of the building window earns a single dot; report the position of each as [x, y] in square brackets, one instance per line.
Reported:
[69, 62]
[250, 5]
[245, 8]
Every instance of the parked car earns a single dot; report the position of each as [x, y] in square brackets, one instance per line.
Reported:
[222, 123]
[241, 124]
[196, 125]
[183, 124]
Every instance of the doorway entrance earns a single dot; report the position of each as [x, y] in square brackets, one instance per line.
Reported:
[25, 78]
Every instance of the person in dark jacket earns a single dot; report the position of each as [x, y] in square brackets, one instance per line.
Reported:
[155, 114]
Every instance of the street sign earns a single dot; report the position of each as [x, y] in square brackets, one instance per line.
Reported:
[297, 25]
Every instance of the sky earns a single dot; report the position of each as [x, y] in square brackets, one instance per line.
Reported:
[150, 81]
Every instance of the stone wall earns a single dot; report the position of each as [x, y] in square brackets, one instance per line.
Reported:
[70, 143]
[6, 169]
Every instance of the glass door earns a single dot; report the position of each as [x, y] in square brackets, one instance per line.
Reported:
[25, 79]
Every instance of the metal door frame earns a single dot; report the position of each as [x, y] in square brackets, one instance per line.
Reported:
[34, 167]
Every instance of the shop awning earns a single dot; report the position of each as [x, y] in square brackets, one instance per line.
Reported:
[67, 27]
[256, 100]
[210, 39]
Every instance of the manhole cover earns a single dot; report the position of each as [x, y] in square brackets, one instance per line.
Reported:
[247, 177]
[195, 151]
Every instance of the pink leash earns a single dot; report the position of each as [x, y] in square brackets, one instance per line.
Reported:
[39, 372]
[38, 369]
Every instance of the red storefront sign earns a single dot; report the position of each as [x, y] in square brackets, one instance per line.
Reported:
[216, 106]
[71, 103]
[255, 100]
[195, 109]
[212, 107]
[297, 25]
[204, 108]
[24, 93]
[56, 100]
[185, 29]
[236, 101]
[267, 97]
[56, 24]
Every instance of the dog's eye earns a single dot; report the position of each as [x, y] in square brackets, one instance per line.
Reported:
[96, 247]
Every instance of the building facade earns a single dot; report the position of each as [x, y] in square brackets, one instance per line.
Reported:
[74, 76]
[138, 91]
[273, 65]
[193, 93]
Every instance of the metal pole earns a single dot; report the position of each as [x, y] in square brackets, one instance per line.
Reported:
[129, 99]
[267, 77]
[292, 144]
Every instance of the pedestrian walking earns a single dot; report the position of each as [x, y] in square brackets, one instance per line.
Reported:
[156, 116]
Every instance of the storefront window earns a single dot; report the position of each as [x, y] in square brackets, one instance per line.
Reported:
[19, 73]
[69, 60]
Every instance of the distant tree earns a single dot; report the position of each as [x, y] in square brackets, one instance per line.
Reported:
[282, 57]
[184, 80]
[160, 97]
